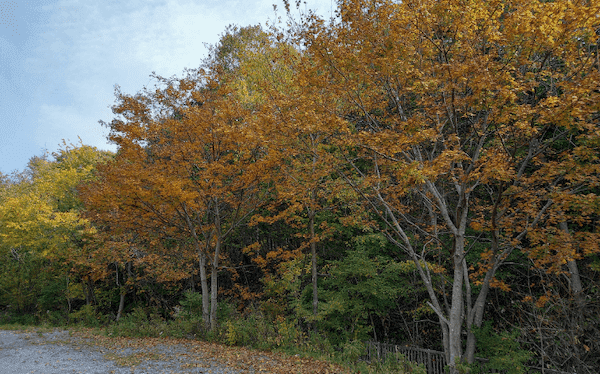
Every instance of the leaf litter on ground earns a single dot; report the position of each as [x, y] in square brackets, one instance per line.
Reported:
[192, 354]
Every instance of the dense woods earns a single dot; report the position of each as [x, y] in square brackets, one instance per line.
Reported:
[418, 172]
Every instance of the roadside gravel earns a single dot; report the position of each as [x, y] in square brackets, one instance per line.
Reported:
[58, 352]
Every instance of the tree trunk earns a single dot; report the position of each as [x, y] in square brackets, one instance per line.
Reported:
[213, 298]
[575, 279]
[475, 316]
[313, 252]
[84, 288]
[204, 288]
[215, 267]
[214, 287]
[456, 309]
[88, 289]
[202, 264]
[121, 302]
[475, 319]
[445, 338]
[313, 244]
[69, 307]
[123, 292]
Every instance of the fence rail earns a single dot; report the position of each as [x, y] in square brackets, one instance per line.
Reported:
[434, 361]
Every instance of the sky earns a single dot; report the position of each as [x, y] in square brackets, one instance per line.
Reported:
[61, 59]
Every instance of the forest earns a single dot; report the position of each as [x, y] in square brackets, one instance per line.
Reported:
[423, 173]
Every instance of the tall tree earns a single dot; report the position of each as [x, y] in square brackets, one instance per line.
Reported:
[188, 166]
[267, 74]
[458, 109]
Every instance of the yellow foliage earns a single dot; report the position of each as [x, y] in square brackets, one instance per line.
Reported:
[40, 213]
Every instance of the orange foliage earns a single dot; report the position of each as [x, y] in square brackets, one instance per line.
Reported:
[188, 169]
[461, 109]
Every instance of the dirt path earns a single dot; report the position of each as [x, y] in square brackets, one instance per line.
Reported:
[54, 352]
[58, 352]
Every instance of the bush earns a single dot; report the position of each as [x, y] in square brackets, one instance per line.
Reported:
[56, 318]
[252, 330]
[140, 323]
[352, 351]
[18, 319]
[87, 316]
[191, 305]
[502, 350]
[137, 324]
[52, 295]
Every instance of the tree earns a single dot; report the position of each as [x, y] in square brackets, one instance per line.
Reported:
[299, 143]
[267, 75]
[457, 111]
[190, 172]
[40, 214]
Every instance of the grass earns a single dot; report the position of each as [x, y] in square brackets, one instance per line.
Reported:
[39, 329]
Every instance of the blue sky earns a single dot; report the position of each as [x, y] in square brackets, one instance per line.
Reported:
[60, 61]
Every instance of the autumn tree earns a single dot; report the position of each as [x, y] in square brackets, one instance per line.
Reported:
[298, 143]
[264, 71]
[188, 167]
[41, 224]
[472, 123]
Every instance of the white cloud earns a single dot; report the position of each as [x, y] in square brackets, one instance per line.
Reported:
[78, 50]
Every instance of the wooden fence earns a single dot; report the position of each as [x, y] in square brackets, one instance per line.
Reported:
[434, 361]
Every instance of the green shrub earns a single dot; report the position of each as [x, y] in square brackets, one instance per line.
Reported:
[52, 295]
[140, 323]
[393, 364]
[19, 319]
[319, 345]
[87, 316]
[135, 324]
[288, 333]
[502, 350]
[191, 305]
[251, 330]
[352, 350]
[56, 318]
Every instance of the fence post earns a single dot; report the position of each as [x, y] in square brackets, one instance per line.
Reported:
[429, 368]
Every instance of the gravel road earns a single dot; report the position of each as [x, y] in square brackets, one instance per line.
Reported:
[57, 352]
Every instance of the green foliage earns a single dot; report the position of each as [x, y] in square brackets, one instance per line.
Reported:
[288, 333]
[399, 364]
[366, 281]
[40, 227]
[395, 363]
[352, 350]
[52, 294]
[595, 265]
[56, 318]
[20, 280]
[252, 330]
[501, 349]
[191, 304]
[140, 324]
[20, 319]
[87, 316]
[282, 290]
